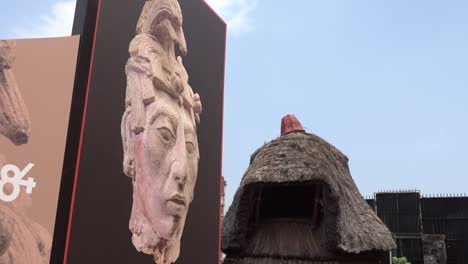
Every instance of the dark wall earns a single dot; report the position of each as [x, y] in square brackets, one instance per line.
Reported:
[99, 232]
[401, 212]
[448, 216]
[439, 216]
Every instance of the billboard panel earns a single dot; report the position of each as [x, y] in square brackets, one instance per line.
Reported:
[36, 86]
[149, 172]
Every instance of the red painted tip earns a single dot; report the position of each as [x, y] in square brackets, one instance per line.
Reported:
[289, 123]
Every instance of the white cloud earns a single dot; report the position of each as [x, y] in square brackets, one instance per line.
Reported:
[56, 24]
[59, 21]
[236, 13]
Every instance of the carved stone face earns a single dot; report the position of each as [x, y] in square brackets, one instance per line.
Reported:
[166, 166]
[159, 131]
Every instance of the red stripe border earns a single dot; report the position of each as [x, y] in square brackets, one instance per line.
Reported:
[83, 122]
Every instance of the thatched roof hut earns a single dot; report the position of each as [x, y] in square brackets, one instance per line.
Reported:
[304, 179]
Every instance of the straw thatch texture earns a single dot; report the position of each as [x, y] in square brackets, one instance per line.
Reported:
[303, 157]
[249, 260]
[286, 238]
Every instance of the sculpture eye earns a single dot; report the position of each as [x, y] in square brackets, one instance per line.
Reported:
[166, 134]
[190, 147]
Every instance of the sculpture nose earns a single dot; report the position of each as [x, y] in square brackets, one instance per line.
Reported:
[179, 172]
[182, 43]
[179, 165]
[20, 137]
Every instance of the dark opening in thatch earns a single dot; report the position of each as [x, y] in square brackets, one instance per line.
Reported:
[293, 201]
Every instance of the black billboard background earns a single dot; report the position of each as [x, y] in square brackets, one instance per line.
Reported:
[99, 231]
[84, 24]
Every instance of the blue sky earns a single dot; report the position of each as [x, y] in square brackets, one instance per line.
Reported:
[386, 82]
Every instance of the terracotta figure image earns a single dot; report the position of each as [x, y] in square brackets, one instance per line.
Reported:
[159, 135]
[21, 239]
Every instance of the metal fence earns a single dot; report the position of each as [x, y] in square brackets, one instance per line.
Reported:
[401, 212]
[449, 216]
[408, 215]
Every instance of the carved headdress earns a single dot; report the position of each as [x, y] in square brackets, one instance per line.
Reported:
[154, 64]
[163, 17]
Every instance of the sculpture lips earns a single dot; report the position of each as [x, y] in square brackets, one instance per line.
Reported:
[178, 199]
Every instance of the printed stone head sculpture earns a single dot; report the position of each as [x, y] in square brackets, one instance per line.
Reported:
[159, 131]
[22, 240]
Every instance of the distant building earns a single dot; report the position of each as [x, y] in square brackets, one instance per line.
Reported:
[429, 230]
